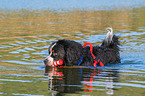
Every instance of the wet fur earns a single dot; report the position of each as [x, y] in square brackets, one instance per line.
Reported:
[70, 52]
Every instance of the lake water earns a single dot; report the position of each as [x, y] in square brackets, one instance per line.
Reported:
[27, 32]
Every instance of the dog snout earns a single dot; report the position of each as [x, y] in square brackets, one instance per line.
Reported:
[48, 61]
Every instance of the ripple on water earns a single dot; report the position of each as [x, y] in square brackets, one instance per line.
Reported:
[22, 43]
[130, 85]
[19, 50]
[15, 80]
[5, 46]
[30, 42]
[25, 94]
[20, 62]
[41, 47]
[15, 44]
[30, 49]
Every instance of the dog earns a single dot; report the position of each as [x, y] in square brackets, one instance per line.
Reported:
[74, 54]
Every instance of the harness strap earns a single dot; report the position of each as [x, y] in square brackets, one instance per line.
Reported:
[96, 60]
[80, 61]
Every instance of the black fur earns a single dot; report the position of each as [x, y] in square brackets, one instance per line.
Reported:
[71, 52]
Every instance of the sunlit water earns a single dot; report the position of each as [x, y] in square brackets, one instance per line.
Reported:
[25, 36]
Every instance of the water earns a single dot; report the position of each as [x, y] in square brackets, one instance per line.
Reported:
[26, 33]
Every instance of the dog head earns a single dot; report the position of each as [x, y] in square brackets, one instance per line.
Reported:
[68, 51]
[56, 51]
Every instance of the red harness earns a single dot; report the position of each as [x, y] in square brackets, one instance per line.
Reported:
[96, 60]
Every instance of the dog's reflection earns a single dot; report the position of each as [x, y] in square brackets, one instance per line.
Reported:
[64, 80]
[71, 80]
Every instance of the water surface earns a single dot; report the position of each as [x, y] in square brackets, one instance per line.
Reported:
[26, 34]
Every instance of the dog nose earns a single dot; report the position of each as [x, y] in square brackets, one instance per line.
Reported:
[45, 61]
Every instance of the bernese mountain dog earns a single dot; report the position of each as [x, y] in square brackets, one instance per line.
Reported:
[74, 54]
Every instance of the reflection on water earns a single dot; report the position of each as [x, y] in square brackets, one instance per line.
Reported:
[83, 80]
[25, 36]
